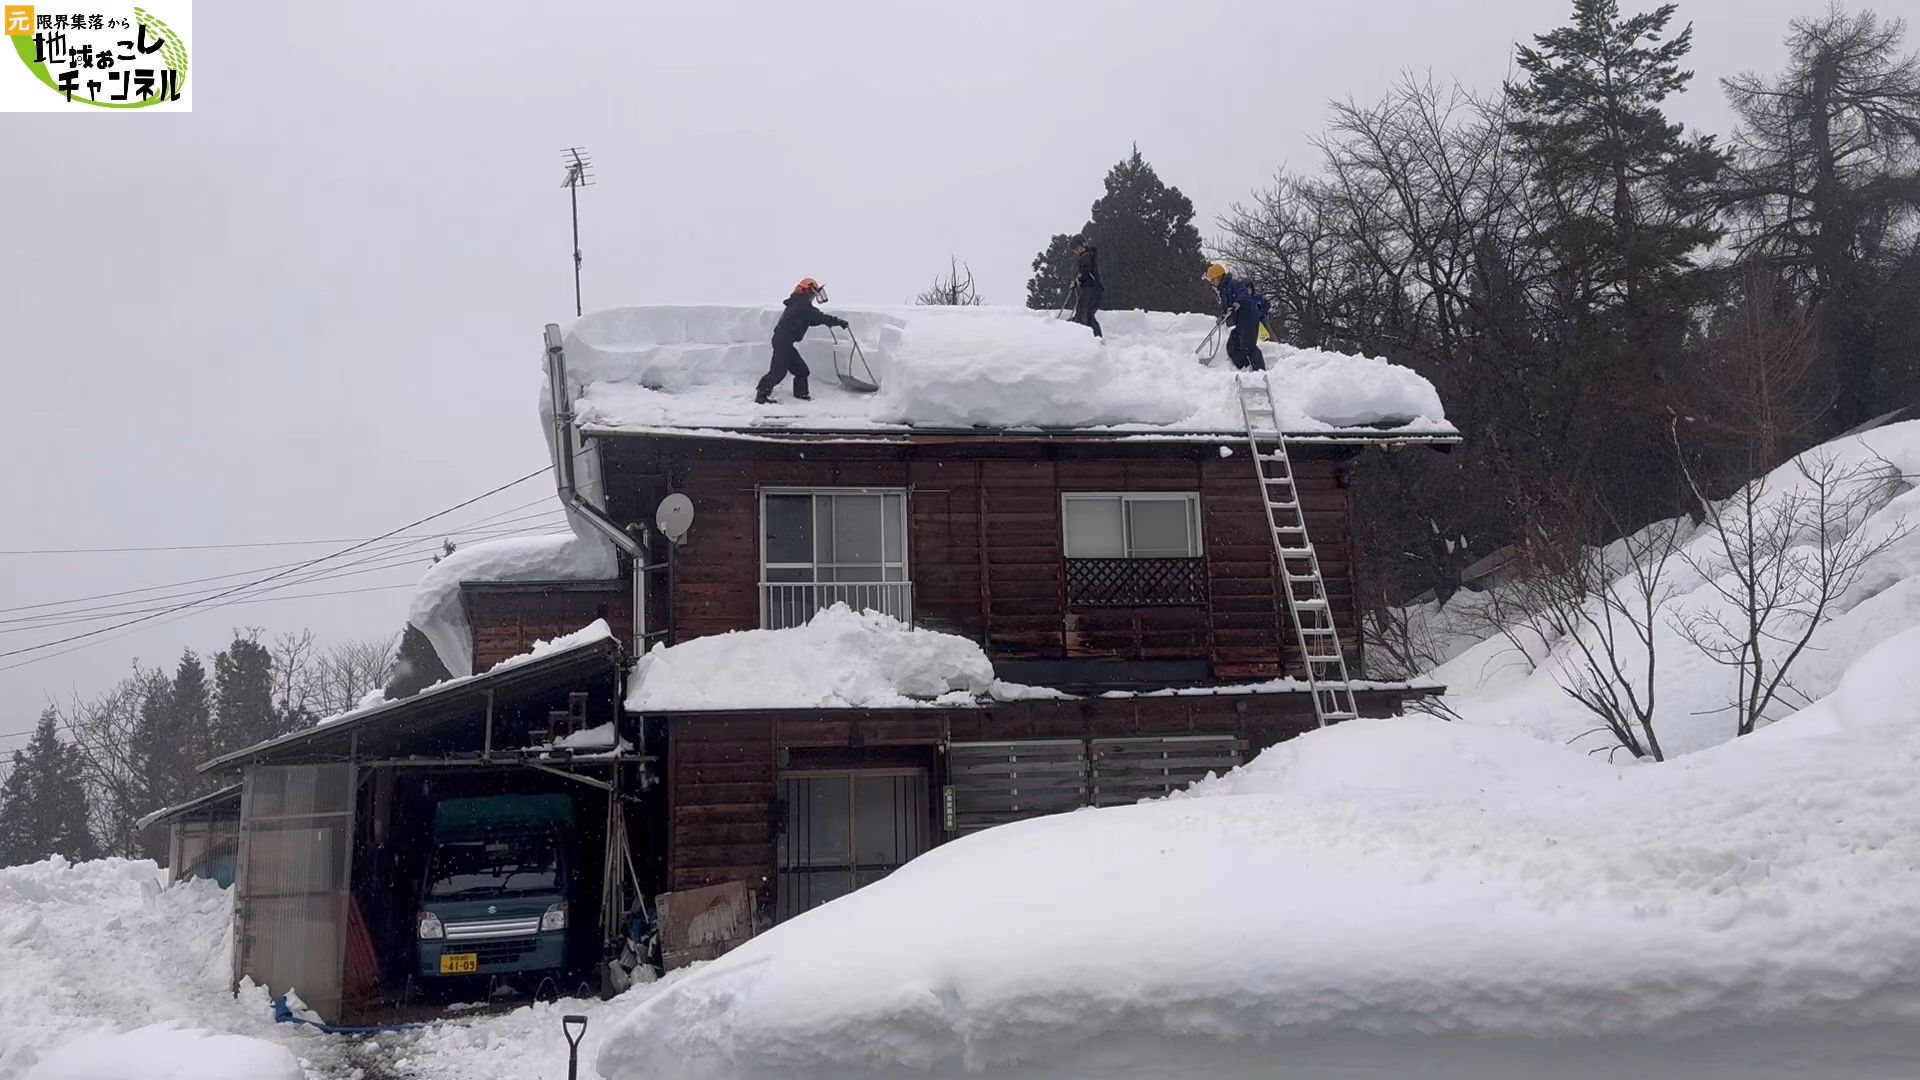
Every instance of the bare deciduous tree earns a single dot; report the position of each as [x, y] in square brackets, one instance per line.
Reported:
[343, 673]
[955, 290]
[1779, 557]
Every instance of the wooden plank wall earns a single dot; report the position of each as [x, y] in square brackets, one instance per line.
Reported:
[723, 767]
[986, 554]
[506, 622]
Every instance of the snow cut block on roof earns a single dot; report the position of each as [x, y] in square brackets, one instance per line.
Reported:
[842, 659]
[645, 368]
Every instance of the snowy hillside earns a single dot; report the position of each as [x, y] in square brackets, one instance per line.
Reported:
[960, 367]
[1384, 898]
[1516, 679]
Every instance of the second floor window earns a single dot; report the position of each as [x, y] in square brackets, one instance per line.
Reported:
[1133, 549]
[833, 545]
[1142, 525]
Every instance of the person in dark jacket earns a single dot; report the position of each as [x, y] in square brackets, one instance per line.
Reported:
[1087, 287]
[1245, 309]
[793, 324]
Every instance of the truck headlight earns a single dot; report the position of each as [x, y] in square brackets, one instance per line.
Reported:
[430, 928]
[555, 918]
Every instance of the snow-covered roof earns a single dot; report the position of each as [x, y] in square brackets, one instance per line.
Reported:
[595, 636]
[1415, 895]
[663, 369]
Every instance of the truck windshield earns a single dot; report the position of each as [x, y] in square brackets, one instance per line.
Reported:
[494, 866]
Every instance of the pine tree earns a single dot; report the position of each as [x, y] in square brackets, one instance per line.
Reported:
[43, 802]
[192, 705]
[243, 709]
[1150, 254]
[1630, 185]
[161, 757]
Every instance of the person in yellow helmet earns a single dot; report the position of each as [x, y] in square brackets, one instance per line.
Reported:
[793, 325]
[1247, 309]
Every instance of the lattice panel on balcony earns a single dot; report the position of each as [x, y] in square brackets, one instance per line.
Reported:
[1136, 582]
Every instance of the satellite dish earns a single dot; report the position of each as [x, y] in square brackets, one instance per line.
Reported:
[674, 516]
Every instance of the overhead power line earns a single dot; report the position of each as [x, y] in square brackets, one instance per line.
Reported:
[37, 648]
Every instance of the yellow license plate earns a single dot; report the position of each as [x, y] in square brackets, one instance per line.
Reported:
[464, 963]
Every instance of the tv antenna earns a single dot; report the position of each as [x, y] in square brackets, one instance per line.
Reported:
[579, 175]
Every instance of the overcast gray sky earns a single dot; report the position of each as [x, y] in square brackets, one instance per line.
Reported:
[311, 308]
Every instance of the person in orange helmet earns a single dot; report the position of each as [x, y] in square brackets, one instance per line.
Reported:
[793, 325]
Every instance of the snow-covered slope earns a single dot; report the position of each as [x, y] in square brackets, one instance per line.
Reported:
[945, 367]
[1495, 681]
[1385, 898]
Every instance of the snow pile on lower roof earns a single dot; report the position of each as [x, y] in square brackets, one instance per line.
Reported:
[92, 951]
[643, 368]
[1492, 682]
[437, 610]
[841, 659]
[1391, 898]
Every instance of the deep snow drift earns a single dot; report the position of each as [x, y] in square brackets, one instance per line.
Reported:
[840, 659]
[94, 950]
[1382, 898]
[1492, 681]
[956, 367]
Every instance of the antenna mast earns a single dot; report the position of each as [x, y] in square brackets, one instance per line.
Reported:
[579, 175]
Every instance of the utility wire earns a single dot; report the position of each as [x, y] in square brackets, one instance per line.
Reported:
[125, 597]
[271, 577]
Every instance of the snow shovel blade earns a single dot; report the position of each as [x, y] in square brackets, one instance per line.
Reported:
[845, 370]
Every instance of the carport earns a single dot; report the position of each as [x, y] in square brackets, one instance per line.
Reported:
[336, 823]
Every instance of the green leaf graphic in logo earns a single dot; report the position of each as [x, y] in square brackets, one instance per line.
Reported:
[173, 51]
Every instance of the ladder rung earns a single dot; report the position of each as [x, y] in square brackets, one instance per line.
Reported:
[1339, 716]
[1323, 658]
[1302, 579]
[1318, 631]
[1292, 530]
[1310, 604]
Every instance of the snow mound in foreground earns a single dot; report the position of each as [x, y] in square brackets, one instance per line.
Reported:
[437, 611]
[166, 1052]
[92, 950]
[841, 659]
[947, 367]
[1427, 897]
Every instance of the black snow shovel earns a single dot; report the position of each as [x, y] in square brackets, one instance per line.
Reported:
[851, 366]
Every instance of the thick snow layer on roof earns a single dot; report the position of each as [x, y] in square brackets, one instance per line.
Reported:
[841, 659]
[1494, 682]
[645, 368]
[437, 610]
[1403, 896]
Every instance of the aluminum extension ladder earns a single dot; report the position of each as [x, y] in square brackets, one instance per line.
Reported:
[1305, 587]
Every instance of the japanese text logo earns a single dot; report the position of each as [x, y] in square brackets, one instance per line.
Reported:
[95, 56]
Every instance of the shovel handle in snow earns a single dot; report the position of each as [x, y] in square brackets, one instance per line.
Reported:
[1073, 301]
[574, 1035]
[1210, 345]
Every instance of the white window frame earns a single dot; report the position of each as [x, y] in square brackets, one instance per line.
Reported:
[905, 523]
[1196, 539]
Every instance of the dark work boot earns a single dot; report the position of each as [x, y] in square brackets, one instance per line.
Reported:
[762, 397]
[800, 389]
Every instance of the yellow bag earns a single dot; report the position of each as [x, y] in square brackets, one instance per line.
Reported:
[1265, 334]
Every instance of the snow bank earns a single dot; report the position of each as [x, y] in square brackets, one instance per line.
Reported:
[437, 610]
[101, 967]
[1383, 898]
[1494, 682]
[944, 367]
[166, 1052]
[842, 659]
